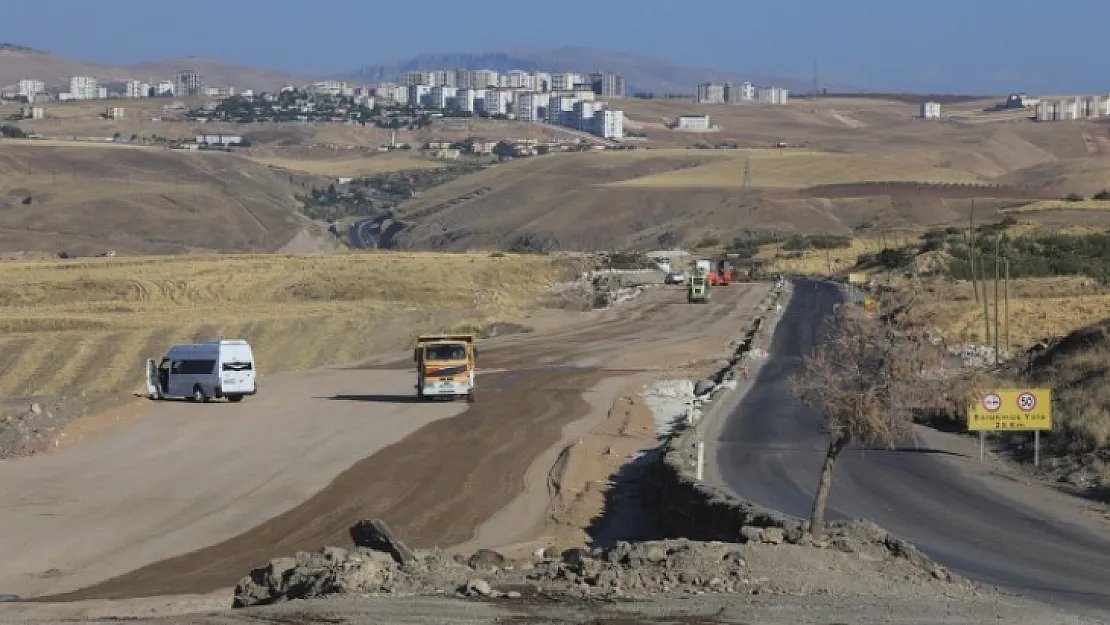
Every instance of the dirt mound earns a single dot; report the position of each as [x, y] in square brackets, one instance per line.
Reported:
[628, 570]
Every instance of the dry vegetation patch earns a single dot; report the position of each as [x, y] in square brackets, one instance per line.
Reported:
[72, 326]
[797, 169]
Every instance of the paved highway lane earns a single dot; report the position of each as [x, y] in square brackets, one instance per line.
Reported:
[769, 450]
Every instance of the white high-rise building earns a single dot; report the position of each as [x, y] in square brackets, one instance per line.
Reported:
[440, 96]
[28, 87]
[930, 110]
[137, 89]
[772, 95]
[83, 88]
[609, 124]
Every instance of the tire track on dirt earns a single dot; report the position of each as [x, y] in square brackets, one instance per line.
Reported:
[430, 501]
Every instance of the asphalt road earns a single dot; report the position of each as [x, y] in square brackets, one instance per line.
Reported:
[769, 450]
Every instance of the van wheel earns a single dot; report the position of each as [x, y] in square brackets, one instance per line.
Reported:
[470, 398]
[198, 394]
[234, 398]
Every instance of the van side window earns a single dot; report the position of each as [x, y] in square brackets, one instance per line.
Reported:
[237, 366]
[197, 367]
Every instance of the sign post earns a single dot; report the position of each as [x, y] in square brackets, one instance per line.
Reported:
[1012, 410]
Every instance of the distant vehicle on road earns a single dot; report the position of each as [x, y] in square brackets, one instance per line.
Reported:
[201, 371]
[445, 365]
[674, 277]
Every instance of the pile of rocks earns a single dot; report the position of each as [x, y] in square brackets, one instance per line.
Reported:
[380, 564]
[978, 356]
[28, 427]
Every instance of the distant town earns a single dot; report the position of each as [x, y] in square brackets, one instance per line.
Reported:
[567, 99]
[576, 101]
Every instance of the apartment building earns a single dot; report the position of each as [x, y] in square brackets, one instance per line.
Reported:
[391, 92]
[418, 94]
[743, 93]
[566, 81]
[531, 106]
[466, 98]
[560, 109]
[218, 92]
[332, 88]
[693, 122]
[409, 79]
[607, 84]
[608, 124]
[483, 78]
[930, 110]
[738, 94]
[187, 83]
[1084, 107]
[441, 97]
[443, 78]
[772, 95]
[710, 93]
[517, 79]
[29, 88]
[83, 88]
[164, 88]
[497, 102]
[136, 89]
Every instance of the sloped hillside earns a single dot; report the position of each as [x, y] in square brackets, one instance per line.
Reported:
[87, 199]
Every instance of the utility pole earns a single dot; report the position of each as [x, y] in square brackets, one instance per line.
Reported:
[997, 242]
[1007, 304]
[971, 251]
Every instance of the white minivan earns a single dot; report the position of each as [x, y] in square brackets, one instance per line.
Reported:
[203, 371]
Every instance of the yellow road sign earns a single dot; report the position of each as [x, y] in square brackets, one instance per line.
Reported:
[1012, 410]
[857, 278]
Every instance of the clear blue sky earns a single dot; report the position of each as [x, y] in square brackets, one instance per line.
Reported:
[930, 45]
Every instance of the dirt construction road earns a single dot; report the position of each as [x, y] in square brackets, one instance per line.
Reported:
[188, 498]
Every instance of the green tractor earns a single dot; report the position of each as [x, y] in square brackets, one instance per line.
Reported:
[697, 291]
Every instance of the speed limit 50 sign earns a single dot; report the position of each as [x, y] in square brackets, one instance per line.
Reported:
[1025, 409]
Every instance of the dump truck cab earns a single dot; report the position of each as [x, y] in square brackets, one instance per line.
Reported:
[445, 365]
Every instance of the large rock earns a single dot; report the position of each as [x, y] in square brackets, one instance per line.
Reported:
[375, 534]
[704, 386]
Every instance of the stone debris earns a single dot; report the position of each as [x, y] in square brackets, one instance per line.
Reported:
[624, 570]
[978, 356]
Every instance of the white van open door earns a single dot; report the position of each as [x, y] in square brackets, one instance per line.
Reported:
[153, 390]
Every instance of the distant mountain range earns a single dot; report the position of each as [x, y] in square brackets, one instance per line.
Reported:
[642, 74]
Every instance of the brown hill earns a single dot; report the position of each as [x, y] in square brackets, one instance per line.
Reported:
[17, 63]
[87, 199]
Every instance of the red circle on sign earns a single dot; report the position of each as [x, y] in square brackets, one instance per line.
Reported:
[1027, 401]
[992, 402]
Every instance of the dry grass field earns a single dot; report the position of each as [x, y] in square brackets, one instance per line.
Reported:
[1039, 308]
[350, 166]
[73, 326]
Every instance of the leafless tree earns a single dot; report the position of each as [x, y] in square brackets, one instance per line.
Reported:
[867, 376]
